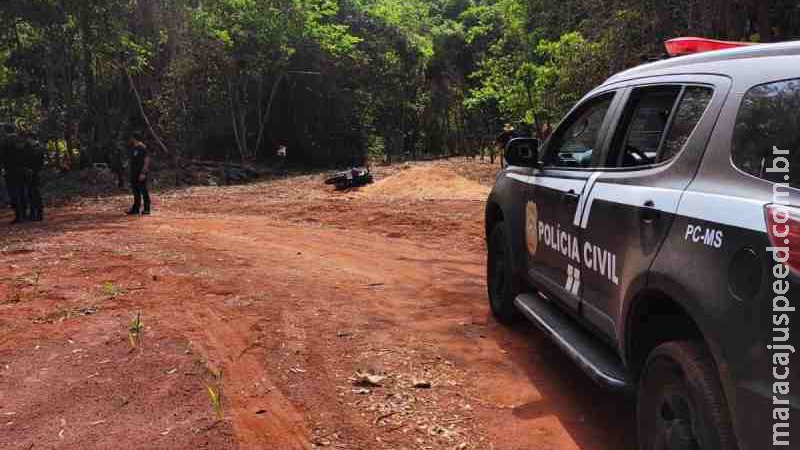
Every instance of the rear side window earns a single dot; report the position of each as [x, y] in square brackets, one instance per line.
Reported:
[769, 119]
[657, 123]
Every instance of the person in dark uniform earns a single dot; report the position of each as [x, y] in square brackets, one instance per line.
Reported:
[140, 167]
[5, 200]
[7, 132]
[33, 163]
[13, 163]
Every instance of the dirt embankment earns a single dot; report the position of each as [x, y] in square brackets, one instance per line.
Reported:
[346, 321]
[432, 182]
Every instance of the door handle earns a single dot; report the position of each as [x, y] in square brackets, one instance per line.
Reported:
[571, 196]
[649, 213]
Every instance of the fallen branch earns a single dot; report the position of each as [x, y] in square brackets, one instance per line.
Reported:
[386, 416]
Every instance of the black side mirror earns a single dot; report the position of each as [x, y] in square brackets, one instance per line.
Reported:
[523, 152]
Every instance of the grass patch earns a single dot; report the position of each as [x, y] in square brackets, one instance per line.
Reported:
[110, 290]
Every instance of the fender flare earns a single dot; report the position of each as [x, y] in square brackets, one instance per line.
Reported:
[657, 286]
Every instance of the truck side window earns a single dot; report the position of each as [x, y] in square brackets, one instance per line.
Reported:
[768, 120]
[657, 123]
[575, 142]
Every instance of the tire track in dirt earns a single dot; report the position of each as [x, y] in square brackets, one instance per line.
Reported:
[412, 276]
[240, 348]
[244, 375]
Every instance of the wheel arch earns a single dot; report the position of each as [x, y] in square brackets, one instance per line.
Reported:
[494, 215]
[654, 317]
[503, 207]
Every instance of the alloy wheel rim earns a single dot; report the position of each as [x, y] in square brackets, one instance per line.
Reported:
[676, 424]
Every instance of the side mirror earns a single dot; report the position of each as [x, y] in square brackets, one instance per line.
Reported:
[523, 152]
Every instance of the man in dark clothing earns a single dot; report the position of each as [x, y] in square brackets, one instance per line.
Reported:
[140, 167]
[13, 163]
[5, 200]
[6, 133]
[33, 163]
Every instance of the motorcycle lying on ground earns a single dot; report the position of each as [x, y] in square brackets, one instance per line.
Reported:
[351, 178]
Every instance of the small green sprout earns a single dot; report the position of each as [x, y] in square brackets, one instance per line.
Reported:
[214, 391]
[136, 331]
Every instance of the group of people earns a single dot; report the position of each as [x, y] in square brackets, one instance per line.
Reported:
[22, 160]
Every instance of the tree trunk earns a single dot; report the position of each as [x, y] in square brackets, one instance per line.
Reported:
[89, 144]
[264, 118]
[764, 29]
[239, 130]
[144, 114]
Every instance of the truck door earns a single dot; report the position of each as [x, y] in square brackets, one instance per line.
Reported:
[653, 155]
[557, 193]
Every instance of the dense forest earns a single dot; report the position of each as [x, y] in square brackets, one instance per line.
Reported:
[334, 80]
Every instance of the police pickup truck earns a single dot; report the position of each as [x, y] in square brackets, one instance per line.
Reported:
[655, 236]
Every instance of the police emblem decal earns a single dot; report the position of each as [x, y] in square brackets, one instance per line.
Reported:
[532, 228]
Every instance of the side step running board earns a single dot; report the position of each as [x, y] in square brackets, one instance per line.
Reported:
[592, 355]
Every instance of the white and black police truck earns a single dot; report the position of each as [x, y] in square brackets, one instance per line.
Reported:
[655, 236]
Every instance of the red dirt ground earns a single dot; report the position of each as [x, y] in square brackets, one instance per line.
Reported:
[290, 289]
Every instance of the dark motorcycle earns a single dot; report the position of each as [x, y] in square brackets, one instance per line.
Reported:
[351, 178]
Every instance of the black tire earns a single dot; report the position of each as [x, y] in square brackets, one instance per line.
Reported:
[338, 178]
[502, 286]
[681, 405]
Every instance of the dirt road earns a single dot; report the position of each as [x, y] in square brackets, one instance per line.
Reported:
[301, 297]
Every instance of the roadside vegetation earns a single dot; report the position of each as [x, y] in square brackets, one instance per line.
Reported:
[335, 81]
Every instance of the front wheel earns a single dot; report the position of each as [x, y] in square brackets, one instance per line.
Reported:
[500, 276]
[681, 405]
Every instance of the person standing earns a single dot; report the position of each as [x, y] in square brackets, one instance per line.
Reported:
[33, 163]
[5, 200]
[12, 149]
[282, 154]
[509, 133]
[140, 169]
[6, 134]
[502, 140]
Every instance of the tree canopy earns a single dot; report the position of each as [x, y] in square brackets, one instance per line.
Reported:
[334, 80]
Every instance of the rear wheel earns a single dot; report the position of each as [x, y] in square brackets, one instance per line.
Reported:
[500, 277]
[681, 405]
